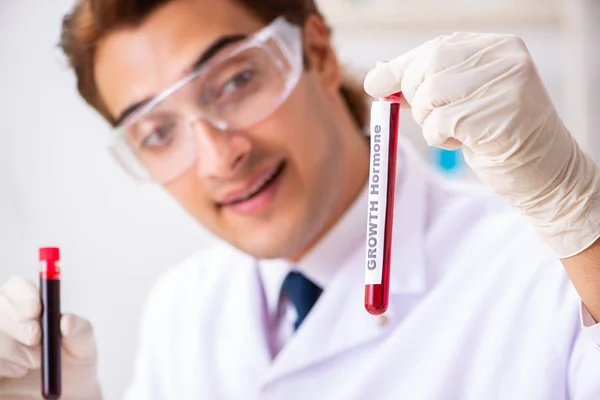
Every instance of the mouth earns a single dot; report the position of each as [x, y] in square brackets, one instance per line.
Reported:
[258, 195]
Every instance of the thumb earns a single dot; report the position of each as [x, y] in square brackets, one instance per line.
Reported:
[386, 79]
[78, 337]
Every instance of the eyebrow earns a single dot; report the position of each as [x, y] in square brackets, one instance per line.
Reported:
[206, 56]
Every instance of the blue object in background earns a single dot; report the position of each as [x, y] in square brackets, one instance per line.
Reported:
[448, 161]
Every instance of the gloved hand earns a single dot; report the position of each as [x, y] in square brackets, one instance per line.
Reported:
[483, 92]
[20, 349]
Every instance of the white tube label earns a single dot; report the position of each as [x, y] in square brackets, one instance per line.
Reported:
[378, 183]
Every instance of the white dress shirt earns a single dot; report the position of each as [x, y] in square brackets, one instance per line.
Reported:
[479, 309]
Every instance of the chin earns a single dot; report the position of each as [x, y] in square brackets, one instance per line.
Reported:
[281, 242]
[271, 250]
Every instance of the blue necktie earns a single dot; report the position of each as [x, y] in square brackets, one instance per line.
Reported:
[302, 293]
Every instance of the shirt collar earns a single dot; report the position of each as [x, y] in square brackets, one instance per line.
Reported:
[349, 236]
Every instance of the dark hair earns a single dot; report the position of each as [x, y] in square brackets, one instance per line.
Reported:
[91, 20]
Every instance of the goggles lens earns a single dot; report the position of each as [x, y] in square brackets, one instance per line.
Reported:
[233, 92]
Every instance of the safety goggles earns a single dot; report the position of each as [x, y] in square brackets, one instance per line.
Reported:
[233, 91]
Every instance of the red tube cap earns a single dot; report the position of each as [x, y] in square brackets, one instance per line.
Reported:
[49, 254]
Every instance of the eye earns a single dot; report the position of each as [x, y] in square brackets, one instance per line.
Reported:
[158, 136]
[238, 82]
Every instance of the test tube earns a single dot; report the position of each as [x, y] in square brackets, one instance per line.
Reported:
[385, 119]
[50, 322]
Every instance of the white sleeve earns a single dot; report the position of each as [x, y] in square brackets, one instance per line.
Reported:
[584, 366]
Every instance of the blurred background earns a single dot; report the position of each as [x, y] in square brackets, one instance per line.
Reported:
[59, 187]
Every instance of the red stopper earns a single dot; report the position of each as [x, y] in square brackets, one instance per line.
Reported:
[49, 254]
[49, 262]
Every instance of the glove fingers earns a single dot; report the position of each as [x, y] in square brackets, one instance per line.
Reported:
[78, 337]
[386, 79]
[440, 71]
[447, 52]
[28, 333]
[24, 296]
[435, 129]
[456, 85]
[19, 312]
[426, 63]
[439, 128]
[10, 370]
[438, 90]
[16, 353]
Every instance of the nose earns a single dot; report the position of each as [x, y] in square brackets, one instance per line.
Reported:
[220, 153]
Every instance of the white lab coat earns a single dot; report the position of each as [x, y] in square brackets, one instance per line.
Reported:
[479, 309]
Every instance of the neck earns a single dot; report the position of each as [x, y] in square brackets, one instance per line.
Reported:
[356, 165]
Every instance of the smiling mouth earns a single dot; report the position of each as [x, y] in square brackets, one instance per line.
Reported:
[258, 189]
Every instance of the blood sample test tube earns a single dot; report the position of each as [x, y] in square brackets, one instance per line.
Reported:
[50, 322]
[385, 114]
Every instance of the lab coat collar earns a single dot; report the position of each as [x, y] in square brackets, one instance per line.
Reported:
[338, 321]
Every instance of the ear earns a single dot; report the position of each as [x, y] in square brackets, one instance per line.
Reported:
[320, 54]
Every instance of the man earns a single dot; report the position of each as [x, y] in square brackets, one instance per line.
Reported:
[238, 109]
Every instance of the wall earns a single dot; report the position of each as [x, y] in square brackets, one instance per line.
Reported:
[582, 50]
[58, 186]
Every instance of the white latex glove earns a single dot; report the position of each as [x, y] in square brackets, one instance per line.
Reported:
[20, 350]
[483, 92]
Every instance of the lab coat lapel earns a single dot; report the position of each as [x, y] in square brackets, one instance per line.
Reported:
[242, 341]
[339, 322]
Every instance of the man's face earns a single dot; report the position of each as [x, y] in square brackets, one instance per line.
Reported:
[269, 190]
